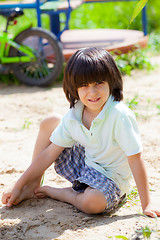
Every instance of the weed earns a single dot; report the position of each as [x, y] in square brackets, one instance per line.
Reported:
[134, 193]
[158, 107]
[145, 231]
[9, 79]
[60, 78]
[154, 43]
[42, 180]
[123, 65]
[137, 59]
[147, 113]
[26, 124]
[125, 62]
[132, 104]
[147, 109]
[119, 237]
[132, 198]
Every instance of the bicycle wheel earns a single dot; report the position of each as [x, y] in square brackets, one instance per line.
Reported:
[49, 57]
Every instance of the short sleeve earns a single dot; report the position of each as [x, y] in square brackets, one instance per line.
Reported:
[127, 134]
[61, 135]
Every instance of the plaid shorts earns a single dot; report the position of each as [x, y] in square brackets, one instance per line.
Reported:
[71, 165]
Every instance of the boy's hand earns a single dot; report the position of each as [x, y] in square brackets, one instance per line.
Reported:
[151, 211]
[14, 195]
[11, 197]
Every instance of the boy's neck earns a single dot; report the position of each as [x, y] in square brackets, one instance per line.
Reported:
[88, 117]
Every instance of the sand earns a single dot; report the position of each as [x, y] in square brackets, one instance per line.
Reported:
[21, 110]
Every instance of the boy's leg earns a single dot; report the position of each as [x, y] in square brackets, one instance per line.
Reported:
[92, 201]
[46, 128]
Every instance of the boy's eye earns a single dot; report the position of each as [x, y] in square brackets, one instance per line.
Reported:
[84, 85]
[98, 83]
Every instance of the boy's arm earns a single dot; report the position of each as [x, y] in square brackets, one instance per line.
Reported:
[35, 170]
[139, 172]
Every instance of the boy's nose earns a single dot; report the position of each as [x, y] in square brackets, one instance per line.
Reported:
[92, 90]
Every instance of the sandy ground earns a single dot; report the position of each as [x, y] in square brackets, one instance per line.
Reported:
[21, 110]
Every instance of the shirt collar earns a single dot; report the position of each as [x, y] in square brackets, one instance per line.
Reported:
[106, 108]
[76, 112]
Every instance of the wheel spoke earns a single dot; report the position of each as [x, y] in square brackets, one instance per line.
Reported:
[48, 57]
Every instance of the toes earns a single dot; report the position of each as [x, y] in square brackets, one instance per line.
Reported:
[40, 192]
[40, 196]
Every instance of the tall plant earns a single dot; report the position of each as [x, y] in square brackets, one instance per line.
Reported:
[139, 6]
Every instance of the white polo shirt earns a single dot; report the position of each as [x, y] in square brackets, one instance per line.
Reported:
[112, 137]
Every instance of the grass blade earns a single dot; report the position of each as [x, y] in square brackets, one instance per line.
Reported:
[139, 6]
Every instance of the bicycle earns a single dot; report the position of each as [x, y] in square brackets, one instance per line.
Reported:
[34, 56]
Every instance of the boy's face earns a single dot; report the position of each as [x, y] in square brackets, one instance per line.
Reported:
[94, 96]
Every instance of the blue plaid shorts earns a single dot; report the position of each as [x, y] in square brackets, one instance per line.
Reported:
[71, 165]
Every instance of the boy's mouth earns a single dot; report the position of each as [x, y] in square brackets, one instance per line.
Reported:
[94, 100]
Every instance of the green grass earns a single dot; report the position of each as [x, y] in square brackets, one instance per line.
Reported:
[104, 15]
[107, 15]
[9, 79]
[143, 231]
[114, 15]
[132, 104]
[133, 60]
[26, 124]
[158, 107]
[125, 62]
[154, 43]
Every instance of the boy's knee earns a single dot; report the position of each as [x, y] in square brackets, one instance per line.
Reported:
[94, 203]
[50, 122]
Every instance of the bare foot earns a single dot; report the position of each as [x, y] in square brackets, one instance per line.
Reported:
[52, 192]
[43, 192]
[26, 193]
[60, 194]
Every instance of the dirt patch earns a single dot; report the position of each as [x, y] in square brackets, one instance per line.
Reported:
[21, 110]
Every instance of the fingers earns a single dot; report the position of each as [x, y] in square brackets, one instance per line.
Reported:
[157, 212]
[11, 201]
[5, 197]
[10, 198]
[152, 213]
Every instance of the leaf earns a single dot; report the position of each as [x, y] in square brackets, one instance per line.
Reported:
[42, 180]
[139, 6]
[122, 237]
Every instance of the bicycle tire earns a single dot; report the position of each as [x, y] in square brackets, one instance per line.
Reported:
[49, 57]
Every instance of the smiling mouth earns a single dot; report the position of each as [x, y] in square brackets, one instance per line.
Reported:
[94, 100]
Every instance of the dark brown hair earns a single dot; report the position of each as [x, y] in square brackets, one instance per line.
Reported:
[90, 65]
